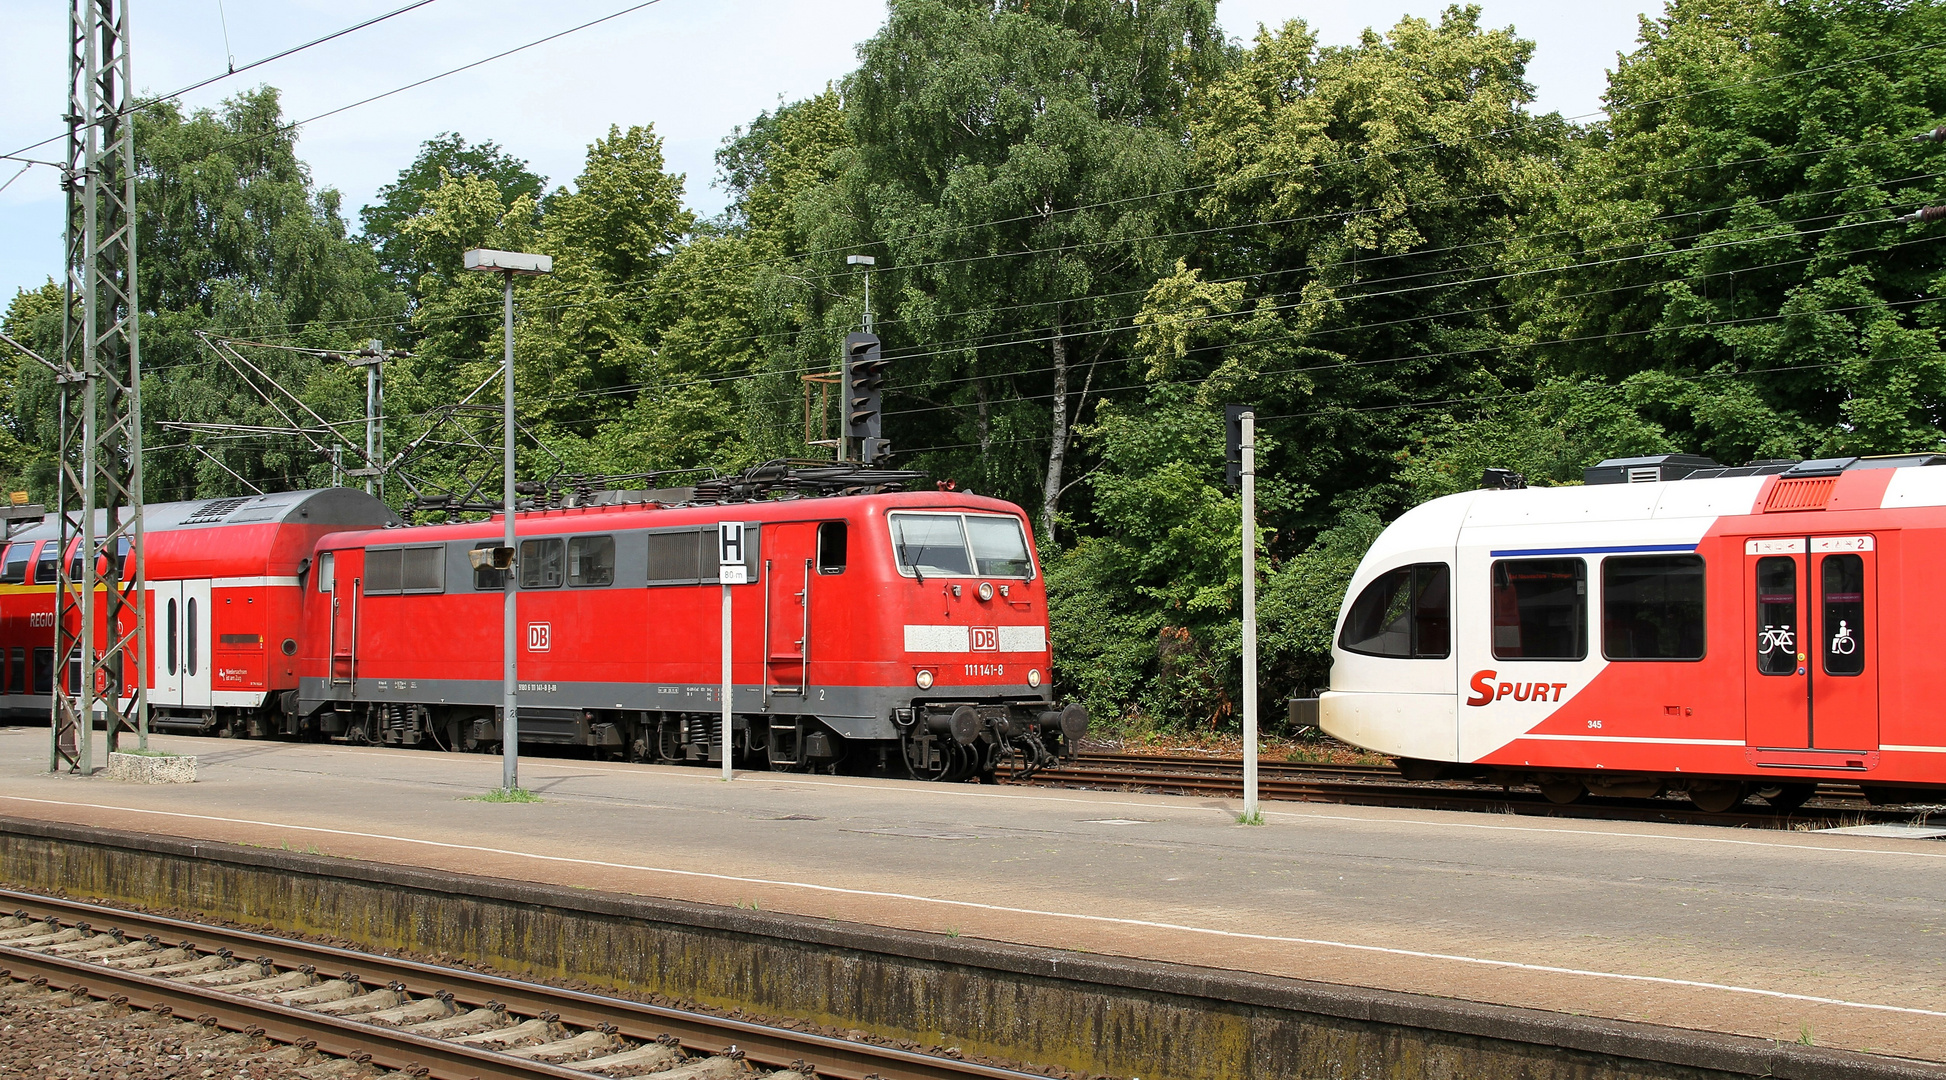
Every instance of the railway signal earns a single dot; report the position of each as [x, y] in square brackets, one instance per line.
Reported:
[865, 366]
[1233, 445]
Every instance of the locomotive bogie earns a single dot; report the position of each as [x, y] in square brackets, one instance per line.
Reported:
[1746, 631]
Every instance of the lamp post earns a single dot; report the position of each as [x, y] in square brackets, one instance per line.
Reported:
[508, 264]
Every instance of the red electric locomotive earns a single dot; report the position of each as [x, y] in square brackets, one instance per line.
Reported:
[1672, 624]
[902, 633]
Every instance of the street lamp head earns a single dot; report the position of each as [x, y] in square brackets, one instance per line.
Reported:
[860, 260]
[508, 262]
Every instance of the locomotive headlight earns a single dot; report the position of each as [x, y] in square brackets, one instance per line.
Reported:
[1034, 677]
[986, 590]
[924, 679]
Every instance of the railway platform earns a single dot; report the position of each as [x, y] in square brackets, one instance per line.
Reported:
[1838, 940]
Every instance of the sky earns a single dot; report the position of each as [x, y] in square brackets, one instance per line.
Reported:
[695, 69]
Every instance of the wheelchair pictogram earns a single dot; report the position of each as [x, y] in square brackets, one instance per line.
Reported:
[1842, 643]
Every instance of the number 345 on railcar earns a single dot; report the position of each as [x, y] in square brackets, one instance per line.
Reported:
[1670, 624]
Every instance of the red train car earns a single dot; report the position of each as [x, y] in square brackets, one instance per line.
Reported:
[900, 633]
[1672, 624]
[223, 605]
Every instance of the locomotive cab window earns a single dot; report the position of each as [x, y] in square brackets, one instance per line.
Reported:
[14, 572]
[540, 563]
[960, 545]
[1406, 613]
[591, 560]
[1540, 609]
[1652, 607]
[833, 539]
[46, 569]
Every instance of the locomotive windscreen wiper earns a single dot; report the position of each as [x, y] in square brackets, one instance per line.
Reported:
[906, 558]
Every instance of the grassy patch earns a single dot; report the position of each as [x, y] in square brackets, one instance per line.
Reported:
[133, 752]
[519, 794]
[1254, 817]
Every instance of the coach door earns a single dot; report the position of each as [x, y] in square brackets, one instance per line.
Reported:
[195, 641]
[1811, 611]
[789, 552]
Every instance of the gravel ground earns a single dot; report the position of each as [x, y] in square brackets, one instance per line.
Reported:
[49, 1035]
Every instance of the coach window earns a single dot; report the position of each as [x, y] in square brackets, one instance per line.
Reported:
[540, 564]
[833, 539]
[591, 560]
[1652, 607]
[1844, 614]
[1540, 609]
[43, 671]
[14, 572]
[488, 578]
[325, 565]
[170, 621]
[46, 570]
[1405, 613]
[17, 673]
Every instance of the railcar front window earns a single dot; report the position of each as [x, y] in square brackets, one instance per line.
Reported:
[1540, 609]
[1844, 615]
[1404, 613]
[1652, 607]
[1777, 615]
[46, 570]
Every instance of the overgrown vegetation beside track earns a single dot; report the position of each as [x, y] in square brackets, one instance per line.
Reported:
[1094, 224]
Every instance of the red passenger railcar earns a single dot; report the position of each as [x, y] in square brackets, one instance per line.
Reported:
[1671, 624]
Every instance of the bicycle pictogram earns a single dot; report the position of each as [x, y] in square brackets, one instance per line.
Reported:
[1777, 639]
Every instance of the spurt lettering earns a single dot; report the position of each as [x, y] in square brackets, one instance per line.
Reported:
[1486, 691]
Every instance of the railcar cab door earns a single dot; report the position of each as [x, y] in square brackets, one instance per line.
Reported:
[1811, 642]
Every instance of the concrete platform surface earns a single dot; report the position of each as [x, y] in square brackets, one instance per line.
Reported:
[1791, 936]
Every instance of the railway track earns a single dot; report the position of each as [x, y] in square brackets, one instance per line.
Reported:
[1381, 785]
[414, 1018]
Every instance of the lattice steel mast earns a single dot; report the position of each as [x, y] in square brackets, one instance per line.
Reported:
[101, 630]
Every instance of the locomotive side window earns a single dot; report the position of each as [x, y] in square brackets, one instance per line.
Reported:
[14, 572]
[540, 564]
[384, 571]
[591, 560]
[487, 578]
[1777, 615]
[1844, 615]
[676, 558]
[326, 562]
[425, 569]
[1405, 613]
[1652, 607]
[1540, 609]
[833, 539]
[46, 570]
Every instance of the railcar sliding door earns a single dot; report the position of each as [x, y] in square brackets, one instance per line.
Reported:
[165, 640]
[1811, 641]
[196, 642]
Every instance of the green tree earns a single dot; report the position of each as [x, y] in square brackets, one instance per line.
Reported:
[447, 154]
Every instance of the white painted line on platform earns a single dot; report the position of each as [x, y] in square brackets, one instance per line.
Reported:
[1111, 920]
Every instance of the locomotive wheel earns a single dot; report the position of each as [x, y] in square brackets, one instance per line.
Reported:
[1785, 798]
[1562, 790]
[1717, 798]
